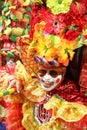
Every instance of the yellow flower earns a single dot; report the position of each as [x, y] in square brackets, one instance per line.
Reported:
[52, 46]
[84, 32]
[59, 6]
[50, 54]
[66, 51]
[46, 45]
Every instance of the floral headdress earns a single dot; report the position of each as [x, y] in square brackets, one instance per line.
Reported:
[52, 49]
[55, 27]
[56, 31]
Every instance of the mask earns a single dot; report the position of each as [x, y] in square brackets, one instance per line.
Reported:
[50, 79]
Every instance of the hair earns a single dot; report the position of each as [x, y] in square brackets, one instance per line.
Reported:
[74, 67]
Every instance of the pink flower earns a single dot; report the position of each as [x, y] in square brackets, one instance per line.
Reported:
[54, 23]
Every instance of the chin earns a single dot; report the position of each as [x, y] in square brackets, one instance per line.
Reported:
[48, 88]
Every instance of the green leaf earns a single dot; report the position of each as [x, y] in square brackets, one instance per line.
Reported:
[5, 9]
[29, 9]
[59, 1]
[3, 18]
[13, 37]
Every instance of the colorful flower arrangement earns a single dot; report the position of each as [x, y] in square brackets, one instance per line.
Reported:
[50, 47]
[56, 31]
[64, 26]
[48, 31]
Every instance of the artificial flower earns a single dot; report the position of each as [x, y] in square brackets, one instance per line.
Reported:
[78, 8]
[53, 46]
[59, 6]
[71, 35]
[47, 46]
[46, 21]
[34, 18]
[80, 22]
[38, 28]
[54, 23]
[65, 51]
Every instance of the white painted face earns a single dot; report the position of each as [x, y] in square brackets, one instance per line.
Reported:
[50, 79]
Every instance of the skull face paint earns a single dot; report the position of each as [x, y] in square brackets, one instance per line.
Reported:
[51, 77]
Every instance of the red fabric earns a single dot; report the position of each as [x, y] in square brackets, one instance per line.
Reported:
[79, 125]
[14, 116]
[83, 77]
[3, 103]
[69, 91]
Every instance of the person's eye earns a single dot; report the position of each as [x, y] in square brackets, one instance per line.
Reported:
[41, 72]
[54, 73]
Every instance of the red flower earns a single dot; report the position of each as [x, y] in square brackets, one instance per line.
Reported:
[71, 34]
[54, 23]
[77, 23]
[34, 18]
[69, 18]
[80, 22]
[78, 8]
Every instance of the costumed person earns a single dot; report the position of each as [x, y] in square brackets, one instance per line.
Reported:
[64, 105]
[49, 99]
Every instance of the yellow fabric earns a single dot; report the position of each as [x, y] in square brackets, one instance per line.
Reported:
[30, 123]
[67, 111]
[27, 58]
[32, 89]
[4, 77]
[71, 112]
[2, 112]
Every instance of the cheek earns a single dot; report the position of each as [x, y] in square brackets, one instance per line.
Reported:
[58, 80]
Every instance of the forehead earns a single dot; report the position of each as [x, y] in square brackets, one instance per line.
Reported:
[61, 68]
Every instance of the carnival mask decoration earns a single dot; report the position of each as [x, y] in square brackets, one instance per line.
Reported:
[51, 77]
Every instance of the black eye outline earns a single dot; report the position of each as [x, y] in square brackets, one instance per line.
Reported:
[42, 73]
[53, 73]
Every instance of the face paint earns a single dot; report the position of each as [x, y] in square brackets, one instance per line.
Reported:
[58, 80]
[50, 79]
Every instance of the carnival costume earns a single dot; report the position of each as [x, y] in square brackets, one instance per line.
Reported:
[46, 34]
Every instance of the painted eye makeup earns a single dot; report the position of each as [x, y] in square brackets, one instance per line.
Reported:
[53, 73]
[42, 73]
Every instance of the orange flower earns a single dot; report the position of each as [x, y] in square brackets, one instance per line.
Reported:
[52, 46]
[44, 47]
[39, 27]
[66, 51]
